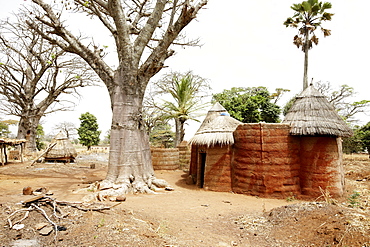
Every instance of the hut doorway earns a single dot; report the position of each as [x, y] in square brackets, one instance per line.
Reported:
[202, 162]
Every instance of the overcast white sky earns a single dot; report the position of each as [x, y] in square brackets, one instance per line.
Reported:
[245, 44]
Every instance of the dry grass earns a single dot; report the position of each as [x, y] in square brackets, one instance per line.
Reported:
[356, 157]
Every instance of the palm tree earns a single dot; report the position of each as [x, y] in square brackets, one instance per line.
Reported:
[186, 93]
[307, 18]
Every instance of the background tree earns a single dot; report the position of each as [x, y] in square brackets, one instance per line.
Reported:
[4, 127]
[342, 98]
[162, 136]
[249, 105]
[33, 77]
[364, 135]
[144, 33]
[39, 137]
[308, 17]
[88, 130]
[68, 128]
[185, 92]
[353, 144]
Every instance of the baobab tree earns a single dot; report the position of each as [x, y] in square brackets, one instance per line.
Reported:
[307, 18]
[144, 33]
[34, 74]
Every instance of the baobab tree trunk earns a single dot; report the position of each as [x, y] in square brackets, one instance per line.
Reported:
[27, 130]
[130, 166]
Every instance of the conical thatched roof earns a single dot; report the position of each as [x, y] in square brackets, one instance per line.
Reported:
[62, 149]
[216, 129]
[312, 114]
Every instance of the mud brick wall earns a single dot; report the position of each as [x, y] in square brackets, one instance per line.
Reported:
[265, 160]
[217, 175]
[184, 155]
[321, 166]
[165, 158]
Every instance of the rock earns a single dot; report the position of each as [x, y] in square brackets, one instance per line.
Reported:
[27, 190]
[92, 166]
[25, 243]
[42, 190]
[169, 188]
[120, 198]
[46, 230]
[18, 226]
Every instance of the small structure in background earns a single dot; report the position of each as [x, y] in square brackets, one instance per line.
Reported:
[61, 150]
[301, 156]
[16, 154]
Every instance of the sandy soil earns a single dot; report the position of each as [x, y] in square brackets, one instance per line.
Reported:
[186, 216]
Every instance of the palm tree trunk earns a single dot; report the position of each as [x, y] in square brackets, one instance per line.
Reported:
[306, 48]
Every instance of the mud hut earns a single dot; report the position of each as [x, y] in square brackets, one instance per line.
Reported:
[314, 120]
[211, 150]
[61, 150]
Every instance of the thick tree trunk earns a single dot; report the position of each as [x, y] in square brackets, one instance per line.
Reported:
[27, 130]
[130, 166]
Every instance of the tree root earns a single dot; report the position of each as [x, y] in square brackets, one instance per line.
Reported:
[107, 190]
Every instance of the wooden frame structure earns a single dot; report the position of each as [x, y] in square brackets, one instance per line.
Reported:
[4, 143]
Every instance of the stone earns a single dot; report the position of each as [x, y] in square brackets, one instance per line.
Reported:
[46, 230]
[27, 190]
[120, 198]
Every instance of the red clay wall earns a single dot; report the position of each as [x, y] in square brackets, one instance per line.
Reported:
[217, 176]
[165, 158]
[321, 166]
[265, 160]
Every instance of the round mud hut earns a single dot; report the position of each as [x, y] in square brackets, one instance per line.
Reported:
[211, 150]
[61, 150]
[314, 120]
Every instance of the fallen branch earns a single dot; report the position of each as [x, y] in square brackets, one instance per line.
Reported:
[51, 145]
[17, 211]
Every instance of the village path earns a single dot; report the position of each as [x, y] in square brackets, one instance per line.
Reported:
[193, 216]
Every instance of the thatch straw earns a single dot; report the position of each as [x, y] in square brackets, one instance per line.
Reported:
[218, 131]
[312, 114]
[62, 149]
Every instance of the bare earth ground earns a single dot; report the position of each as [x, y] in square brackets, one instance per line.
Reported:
[186, 216]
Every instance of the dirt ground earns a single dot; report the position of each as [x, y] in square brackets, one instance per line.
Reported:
[186, 216]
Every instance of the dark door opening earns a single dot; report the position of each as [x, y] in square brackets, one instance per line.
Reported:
[203, 157]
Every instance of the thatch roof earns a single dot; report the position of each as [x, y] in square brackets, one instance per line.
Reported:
[62, 149]
[312, 114]
[216, 129]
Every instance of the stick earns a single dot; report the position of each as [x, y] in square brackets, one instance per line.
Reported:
[51, 145]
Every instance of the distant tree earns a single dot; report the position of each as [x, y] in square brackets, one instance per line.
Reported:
[4, 127]
[88, 130]
[343, 100]
[249, 105]
[4, 130]
[308, 17]
[353, 144]
[364, 136]
[34, 74]
[68, 128]
[162, 136]
[185, 91]
[39, 137]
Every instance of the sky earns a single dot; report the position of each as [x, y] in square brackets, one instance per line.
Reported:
[245, 44]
